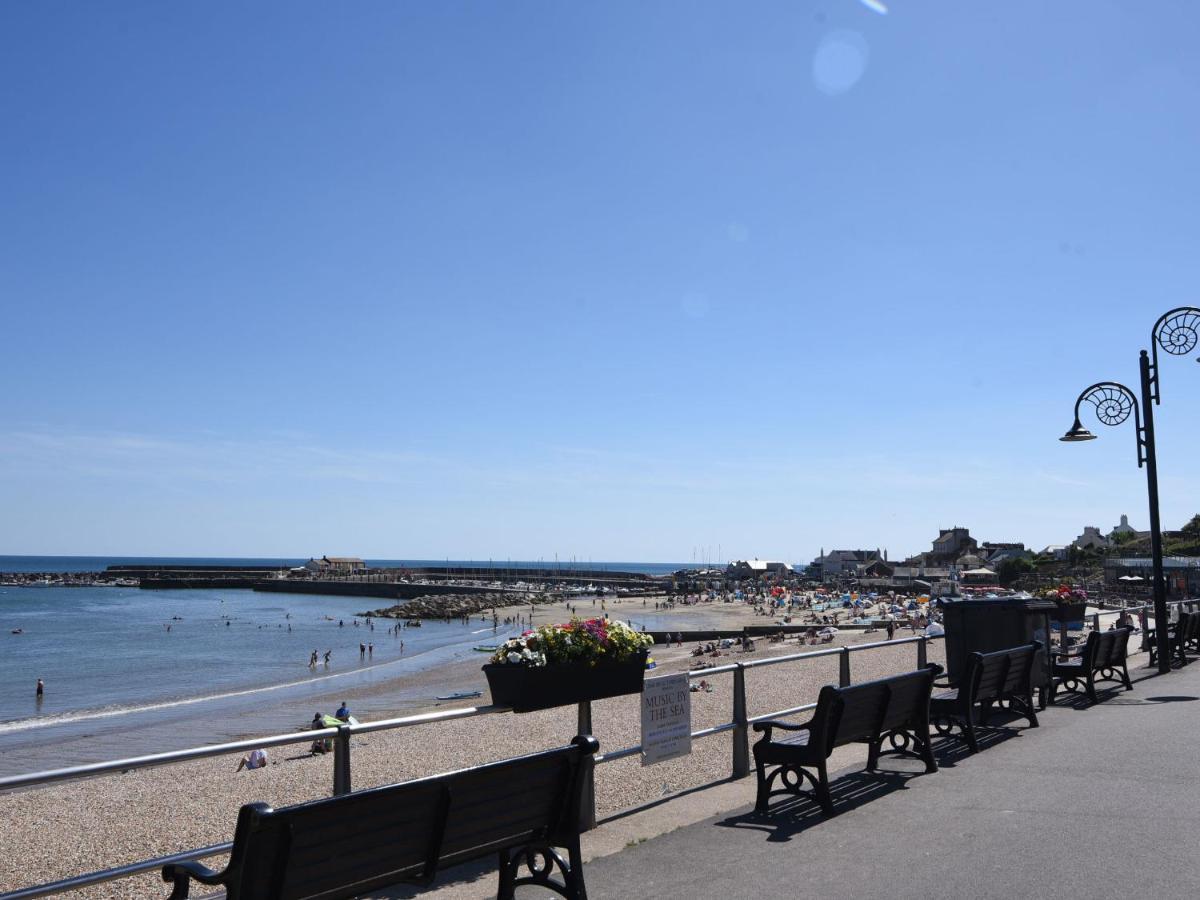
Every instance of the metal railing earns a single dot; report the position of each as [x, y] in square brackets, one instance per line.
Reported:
[740, 725]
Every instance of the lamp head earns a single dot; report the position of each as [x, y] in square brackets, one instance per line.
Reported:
[1077, 433]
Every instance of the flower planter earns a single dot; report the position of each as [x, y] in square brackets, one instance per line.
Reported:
[1068, 612]
[529, 688]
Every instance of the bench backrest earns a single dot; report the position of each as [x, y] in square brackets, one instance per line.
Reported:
[1120, 647]
[861, 712]
[1001, 672]
[1189, 629]
[350, 845]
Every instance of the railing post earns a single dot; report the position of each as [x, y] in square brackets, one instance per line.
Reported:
[341, 761]
[587, 806]
[922, 653]
[844, 668]
[1095, 621]
[741, 727]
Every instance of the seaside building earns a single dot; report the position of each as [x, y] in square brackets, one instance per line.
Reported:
[1181, 573]
[1125, 532]
[997, 552]
[758, 568]
[336, 565]
[1091, 539]
[838, 563]
[950, 544]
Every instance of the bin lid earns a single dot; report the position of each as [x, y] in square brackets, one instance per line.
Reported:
[1030, 604]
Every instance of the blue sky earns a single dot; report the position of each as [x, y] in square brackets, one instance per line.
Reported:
[625, 281]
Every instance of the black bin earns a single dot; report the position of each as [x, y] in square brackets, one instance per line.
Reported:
[997, 624]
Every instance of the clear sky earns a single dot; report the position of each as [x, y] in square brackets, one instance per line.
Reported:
[624, 281]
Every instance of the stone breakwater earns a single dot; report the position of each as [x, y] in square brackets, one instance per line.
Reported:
[451, 606]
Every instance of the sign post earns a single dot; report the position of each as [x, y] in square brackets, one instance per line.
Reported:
[666, 718]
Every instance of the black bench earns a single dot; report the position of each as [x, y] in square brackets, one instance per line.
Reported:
[895, 709]
[990, 678]
[1103, 659]
[1181, 637]
[360, 842]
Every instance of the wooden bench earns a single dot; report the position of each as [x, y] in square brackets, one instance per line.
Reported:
[1181, 637]
[895, 709]
[1103, 659]
[990, 678]
[520, 809]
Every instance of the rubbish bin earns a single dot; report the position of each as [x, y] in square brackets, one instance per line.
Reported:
[987, 625]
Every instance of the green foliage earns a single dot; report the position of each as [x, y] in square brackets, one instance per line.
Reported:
[1192, 528]
[1010, 570]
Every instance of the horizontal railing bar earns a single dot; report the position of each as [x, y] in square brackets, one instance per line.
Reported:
[782, 714]
[617, 754]
[892, 643]
[630, 751]
[715, 670]
[715, 729]
[445, 715]
[137, 868]
[158, 759]
[792, 657]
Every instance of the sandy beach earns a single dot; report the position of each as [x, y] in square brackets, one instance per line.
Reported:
[66, 829]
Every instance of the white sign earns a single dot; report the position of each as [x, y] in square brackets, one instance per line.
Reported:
[666, 718]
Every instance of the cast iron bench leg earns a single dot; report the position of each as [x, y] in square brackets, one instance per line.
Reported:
[823, 796]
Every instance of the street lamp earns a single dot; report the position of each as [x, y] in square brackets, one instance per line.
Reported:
[1177, 332]
[1113, 402]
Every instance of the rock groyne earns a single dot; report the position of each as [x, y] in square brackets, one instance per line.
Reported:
[452, 606]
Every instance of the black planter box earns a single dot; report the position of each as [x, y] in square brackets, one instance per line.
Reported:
[529, 688]
[1068, 612]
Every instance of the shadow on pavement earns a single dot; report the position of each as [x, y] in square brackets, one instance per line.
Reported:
[792, 816]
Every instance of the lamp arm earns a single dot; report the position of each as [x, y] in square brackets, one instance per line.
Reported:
[1176, 331]
[1113, 402]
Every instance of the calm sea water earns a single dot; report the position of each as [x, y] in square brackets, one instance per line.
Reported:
[99, 563]
[234, 662]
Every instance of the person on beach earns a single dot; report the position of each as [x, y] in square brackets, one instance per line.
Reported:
[328, 653]
[343, 712]
[362, 651]
[371, 650]
[256, 760]
[41, 689]
[319, 746]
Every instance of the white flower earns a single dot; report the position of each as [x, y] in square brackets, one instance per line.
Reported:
[514, 657]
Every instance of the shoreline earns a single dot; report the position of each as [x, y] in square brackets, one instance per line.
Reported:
[55, 833]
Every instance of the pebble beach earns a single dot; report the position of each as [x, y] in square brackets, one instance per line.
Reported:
[86, 825]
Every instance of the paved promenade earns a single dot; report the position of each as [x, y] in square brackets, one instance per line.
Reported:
[1096, 803]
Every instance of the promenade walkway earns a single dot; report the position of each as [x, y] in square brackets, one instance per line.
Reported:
[1097, 803]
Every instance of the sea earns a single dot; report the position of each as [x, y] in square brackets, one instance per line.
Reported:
[33, 564]
[128, 671]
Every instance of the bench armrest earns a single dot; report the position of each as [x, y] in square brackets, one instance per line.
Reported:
[766, 727]
[179, 873]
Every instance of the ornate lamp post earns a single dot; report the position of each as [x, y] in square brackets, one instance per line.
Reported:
[1176, 332]
[1113, 403]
